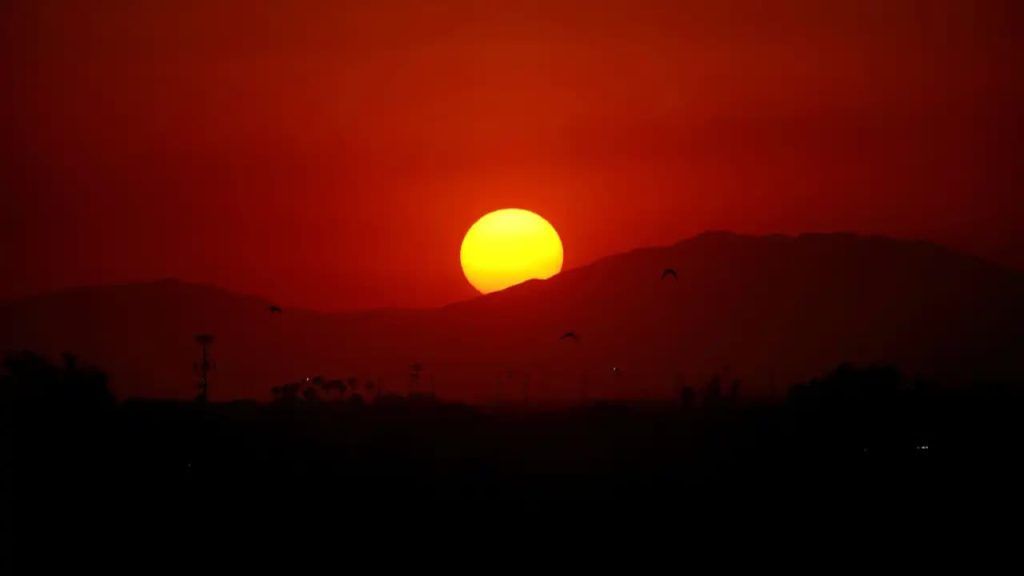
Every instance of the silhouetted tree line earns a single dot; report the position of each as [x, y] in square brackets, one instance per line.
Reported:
[30, 380]
[852, 426]
[317, 388]
[56, 420]
[715, 393]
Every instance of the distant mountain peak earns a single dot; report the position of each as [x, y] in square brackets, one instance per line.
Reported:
[768, 309]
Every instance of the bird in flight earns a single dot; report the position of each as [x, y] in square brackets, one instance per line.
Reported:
[669, 272]
[570, 335]
[274, 309]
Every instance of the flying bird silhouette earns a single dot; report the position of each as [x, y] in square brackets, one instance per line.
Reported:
[274, 309]
[570, 335]
[669, 272]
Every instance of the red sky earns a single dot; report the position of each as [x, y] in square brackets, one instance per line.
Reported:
[331, 156]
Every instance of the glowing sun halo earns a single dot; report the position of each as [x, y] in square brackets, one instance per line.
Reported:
[509, 246]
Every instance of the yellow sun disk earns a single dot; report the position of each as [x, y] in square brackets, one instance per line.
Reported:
[507, 247]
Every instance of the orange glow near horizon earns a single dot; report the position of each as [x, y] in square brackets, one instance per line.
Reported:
[510, 246]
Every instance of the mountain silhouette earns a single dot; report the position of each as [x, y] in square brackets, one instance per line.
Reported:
[766, 310]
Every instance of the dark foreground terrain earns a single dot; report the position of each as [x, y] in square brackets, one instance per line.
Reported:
[75, 457]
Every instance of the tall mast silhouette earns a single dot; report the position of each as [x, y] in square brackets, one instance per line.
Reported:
[204, 366]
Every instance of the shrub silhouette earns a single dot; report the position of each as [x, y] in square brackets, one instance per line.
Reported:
[868, 409]
[687, 397]
[31, 380]
[286, 393]
[316, 389]
[713, 392]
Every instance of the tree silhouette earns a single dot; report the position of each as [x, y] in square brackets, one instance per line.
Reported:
[335, 384]
[286, 393]
[31, 379]
[688, 397]
[415, 375]
[734, 390]
[713, 391]
[309, 394]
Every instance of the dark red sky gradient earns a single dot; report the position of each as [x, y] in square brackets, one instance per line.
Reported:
[332, 156]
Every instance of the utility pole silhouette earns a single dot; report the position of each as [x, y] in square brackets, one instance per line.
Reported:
[204, 366]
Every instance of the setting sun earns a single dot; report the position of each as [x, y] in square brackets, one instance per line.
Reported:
[509, 246]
